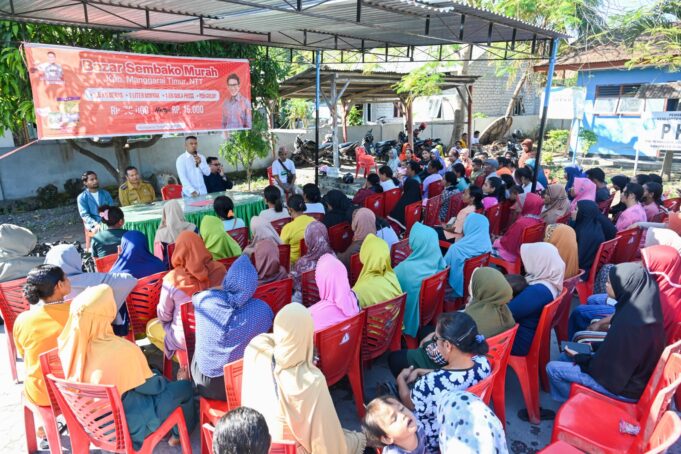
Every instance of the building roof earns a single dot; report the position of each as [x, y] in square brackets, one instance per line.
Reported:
[669, 90]
[296, 24]
[363, 87]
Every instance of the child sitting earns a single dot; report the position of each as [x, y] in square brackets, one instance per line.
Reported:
[390, 425]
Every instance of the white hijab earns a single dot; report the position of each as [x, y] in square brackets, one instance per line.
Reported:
[543, 265]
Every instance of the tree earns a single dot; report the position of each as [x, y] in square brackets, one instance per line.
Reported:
[243, 147]
[423, 81]
[16, 102]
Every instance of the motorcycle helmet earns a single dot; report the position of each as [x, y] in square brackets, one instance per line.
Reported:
[348, 178]
[422, 126]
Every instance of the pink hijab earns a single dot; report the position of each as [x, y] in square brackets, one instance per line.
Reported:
[337, 300]
[585, 189]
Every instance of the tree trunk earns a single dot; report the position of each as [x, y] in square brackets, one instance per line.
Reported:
[516, 94]
[345, 107]
[408, 115]
[103, 162]
[249, 172]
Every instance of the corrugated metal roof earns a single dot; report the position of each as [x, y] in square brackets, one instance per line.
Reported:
[324, 24]
[669, 90]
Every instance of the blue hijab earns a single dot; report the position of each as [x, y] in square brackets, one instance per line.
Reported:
[475, 241]
[541, 178]
[572, 172]
[424, 261]
[135, 258]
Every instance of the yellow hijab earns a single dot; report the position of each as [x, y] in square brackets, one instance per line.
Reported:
[564, 238]
[218, 242]
[89, 350]
[284, 359]
[377, 282]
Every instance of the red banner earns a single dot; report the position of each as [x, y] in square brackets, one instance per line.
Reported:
[88, 93]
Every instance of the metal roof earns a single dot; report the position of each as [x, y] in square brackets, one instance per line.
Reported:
[369, 87]
[667, 90]
[296, 24]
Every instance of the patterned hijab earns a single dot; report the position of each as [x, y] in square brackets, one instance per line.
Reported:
[317, 242]
[558, 204]
[193, 267]
[337, 301]
[172, 223]
[219, 243]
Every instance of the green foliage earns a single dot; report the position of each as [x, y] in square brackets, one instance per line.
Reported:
[479, 115]
[423, 81]
[587, 139]
[355, 117]
[556, 141]
[297, 108]
[244, 147]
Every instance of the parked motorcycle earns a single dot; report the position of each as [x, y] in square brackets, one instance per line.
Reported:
[368, 142]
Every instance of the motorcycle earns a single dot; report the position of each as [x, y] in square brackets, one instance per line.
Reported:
[382, 148]
[513, 144]
[368, 142]
[304, 151]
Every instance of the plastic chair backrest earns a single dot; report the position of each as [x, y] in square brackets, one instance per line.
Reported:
[285, 256]
[279, 224]
[270, 178]
[276, 294]
[303, 247]
[189, 328]
[603, 256]
[670, 381]
[308, 288]
[340, 236]
[171, 191]
[455, 205]
[376, 203]
[483, 388]
[317, 216]
[104, 264]
[655, 382]
[565, 219]
[432, 215]
[432, 296]
[604, 206]
[391, 197]
[51, 364]
[435, 188]
[383, 327]
[233, 373]
[355, 268]
[169, 252]
[660, 217]
[399, 251]
[338, 346]
[672, 205]
[412, 214]
[628, 242]
[142, 301]
[493, 214]
[505, 214]
[12, 302]
[665, 434]
[228, 261]
[469, 266]
[240, 235]
[533, 233]
[543, 331]
[283, 447]
[208, 431]
[500, 347]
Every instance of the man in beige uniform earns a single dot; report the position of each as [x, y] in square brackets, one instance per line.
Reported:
[134, 190]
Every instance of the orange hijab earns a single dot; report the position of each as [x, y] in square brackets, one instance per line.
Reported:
[193, 266]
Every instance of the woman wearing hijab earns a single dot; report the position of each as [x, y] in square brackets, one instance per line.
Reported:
[437, 156]
[172, 223]
[475, 242]
[226, 321]
[377, 282]
[15, 245]
[572, 172]
[556, 204]
[508, 246]
[363, 223]
[490, 295]
[411, 193]
[317, 243]
[393, 162]
[338, 208]
[424, 261]
[592, 229]
[281, 382]
[66, 257]
[135, 258]
[583, 189]
[623, 364]
[563, 237]
[193, 270]
[267, 262]
[220, 244]
[261, 229]
[91, 353]
[337, 300]
[545, 273]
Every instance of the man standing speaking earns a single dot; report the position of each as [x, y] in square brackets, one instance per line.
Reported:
[191, 168]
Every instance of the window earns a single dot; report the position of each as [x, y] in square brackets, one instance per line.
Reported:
[607, 98]
[655, 105]
[620, 99]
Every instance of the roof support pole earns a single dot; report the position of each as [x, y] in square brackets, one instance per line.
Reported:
[469, 114]
[333, 101]
[545, 110]
[318, 55]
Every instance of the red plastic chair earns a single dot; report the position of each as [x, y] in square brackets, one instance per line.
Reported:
[531, 234]
[565, 219]
[431, 301]
[560, 447]
[604, 206]
[493, 214]
[340, 236]
[590, 420]
[506, 219]
[171, 191]
[399, 251]
[184, 357]
[284, 255]
[240, 235]
[339, 355]
[412, 214]
[279, 224]
[270, 178]
[672, 205]
[355, 268]
[527, 367]
[455, 205]
[500, 350]
[628, 245]
[276, 294]
[228, 261]
[12, 303]
[666, 433]
[49, 364]
[603, 255]
[94, 414]
[431, 217]
[303, 247]
[165, 253]
[435, 188]
[483, 389]
[309, 289]
[376, 203]
[364, 161]
[391, 198]
[469, 266]
[382, 328]
[317, 216]
[104, 264]
[142, 302]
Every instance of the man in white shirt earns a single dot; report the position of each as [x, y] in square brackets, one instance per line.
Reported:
[284, 173]
[191, 168]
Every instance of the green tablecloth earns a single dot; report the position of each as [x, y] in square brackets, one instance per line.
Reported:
[147, 217]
